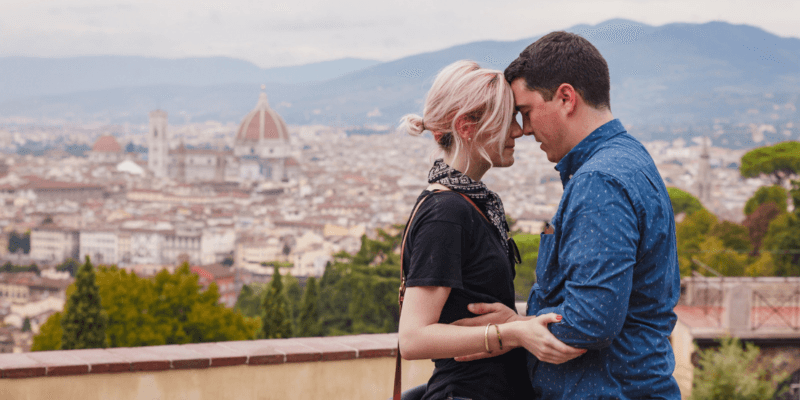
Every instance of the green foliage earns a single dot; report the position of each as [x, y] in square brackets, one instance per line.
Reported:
[732, 235]
[723, 246]
[780, 161]
[84, 321]
[528, 245]
[294, 296]
[308, 320]
[70, 265]
[249, 301]
[757, 223]
[683, 202]
[11, 268]
[166, 309]
[691, 233]
[276, 320]
[360, 291]
[775, 194]
[49, 337]
[726, 261]
[730, 373]
[170, 308]
[19, 242]
[783, 240]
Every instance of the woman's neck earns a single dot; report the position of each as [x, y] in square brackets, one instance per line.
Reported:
[476, 169]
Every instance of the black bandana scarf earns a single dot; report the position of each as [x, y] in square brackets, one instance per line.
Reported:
[454, 180]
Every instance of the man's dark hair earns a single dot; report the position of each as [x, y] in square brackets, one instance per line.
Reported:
[563, 57]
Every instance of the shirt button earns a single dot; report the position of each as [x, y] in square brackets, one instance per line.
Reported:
[570, 176]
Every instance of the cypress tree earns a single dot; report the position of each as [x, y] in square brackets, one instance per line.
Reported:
[84, 321]
[308, 324]
[275, 320]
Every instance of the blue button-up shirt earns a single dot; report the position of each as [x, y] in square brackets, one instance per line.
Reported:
[611, 270]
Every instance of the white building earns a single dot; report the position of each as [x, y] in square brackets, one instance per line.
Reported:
[53, 244]
[100, 245]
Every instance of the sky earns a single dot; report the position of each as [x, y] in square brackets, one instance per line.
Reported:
[273, 33]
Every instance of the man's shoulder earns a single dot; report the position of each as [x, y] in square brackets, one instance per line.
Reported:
[620, 157]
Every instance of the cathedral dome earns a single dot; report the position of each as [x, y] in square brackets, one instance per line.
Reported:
[262, 124]
[107, 144]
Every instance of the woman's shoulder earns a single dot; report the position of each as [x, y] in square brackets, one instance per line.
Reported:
[446, 205]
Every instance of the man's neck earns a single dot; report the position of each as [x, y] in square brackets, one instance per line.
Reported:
[586, 122]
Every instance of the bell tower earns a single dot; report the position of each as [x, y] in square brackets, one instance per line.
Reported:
[157, 144]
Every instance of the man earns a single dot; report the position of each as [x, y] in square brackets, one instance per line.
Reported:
[610, 267]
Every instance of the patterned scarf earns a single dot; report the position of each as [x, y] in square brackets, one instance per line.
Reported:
[454, 180]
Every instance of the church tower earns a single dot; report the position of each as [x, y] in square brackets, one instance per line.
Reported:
[704, 176]
[157, 144]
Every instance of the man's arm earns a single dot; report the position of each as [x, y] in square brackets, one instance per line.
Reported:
[597, 250]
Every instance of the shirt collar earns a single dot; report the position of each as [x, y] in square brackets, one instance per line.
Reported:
[584, 150]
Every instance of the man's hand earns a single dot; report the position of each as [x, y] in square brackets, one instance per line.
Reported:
[489, 313]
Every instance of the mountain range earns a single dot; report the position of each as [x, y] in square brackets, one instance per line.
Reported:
[677, 74]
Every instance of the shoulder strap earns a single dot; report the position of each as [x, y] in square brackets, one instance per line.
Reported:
[440, 187]
[401, 295]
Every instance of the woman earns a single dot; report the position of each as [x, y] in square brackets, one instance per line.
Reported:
[457, 253]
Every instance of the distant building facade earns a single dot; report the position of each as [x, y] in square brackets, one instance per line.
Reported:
[262, 151]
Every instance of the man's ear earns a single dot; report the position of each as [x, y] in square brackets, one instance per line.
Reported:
[567, 97]
[465, 128]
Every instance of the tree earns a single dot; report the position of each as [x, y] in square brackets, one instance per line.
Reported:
[275, 321]
[49, 337]
[757, 223]
[733, 236]
[19, 242]
[775, 194]
[528, 246]
[170, 308]
[730, 373]
[249, 301]
[683, 202]
[360, 290]
[783, 241]
[308, 320]
[26, 325]
[294, 295]
[779, 161]
[84, 321]
[691, 233]
[70, 265]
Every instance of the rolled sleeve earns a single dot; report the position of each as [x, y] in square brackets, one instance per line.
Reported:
[597, 251]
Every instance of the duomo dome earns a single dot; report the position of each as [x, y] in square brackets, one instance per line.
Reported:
[262, 124]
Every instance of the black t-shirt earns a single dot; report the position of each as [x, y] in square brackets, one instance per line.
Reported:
[451, 244]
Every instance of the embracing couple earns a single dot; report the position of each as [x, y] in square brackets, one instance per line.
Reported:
[600, 314]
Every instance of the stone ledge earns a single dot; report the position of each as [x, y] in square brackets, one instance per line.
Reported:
[196, 355]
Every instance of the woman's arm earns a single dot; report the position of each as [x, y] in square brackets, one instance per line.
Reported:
[422, 337]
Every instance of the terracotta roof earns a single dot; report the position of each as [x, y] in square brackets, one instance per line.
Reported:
[262, 123]
[213, 271]
[107, 144]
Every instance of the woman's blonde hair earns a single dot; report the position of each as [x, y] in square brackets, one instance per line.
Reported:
[464, 89]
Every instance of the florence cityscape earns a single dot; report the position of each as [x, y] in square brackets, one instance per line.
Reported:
[219, 186]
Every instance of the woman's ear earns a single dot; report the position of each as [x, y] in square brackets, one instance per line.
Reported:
[465, 128]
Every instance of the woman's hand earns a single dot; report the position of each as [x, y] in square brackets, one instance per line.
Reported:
[534, 336]
[519, 331]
